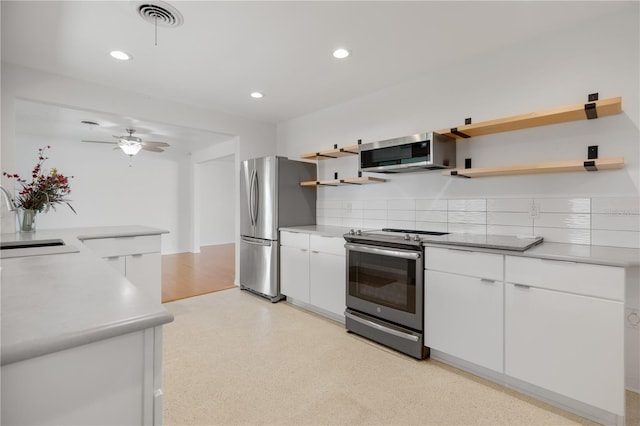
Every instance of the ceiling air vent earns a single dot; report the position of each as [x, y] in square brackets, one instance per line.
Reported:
[160, 13]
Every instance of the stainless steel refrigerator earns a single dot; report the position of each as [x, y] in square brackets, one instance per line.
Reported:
[270, 198]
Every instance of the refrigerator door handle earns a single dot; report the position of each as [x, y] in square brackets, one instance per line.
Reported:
[252, 197]
[256, 242]
[256, 199]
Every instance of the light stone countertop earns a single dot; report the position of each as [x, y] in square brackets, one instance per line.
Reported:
[323, 230]
[599, 255]
[60, 301]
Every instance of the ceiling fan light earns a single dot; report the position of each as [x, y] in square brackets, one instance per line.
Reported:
[130, 147]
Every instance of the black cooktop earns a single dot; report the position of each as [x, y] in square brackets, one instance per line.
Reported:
[413, 231]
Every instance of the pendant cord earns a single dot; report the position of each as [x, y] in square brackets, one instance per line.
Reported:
[156, 28]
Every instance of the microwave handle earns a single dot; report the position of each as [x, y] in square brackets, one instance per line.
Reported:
[403, 254]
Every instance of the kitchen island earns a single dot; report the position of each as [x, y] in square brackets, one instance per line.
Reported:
[80, 343]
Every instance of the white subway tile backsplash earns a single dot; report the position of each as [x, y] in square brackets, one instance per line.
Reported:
[374, 224]
[466, 228]
[615, 205]
[607, 221]
[522, 205]
[475, 205]
[474, 217]
[352, 214]
[629, 239]
[524, 231]
[431, 216]
[560, 235]
[374, 204]
[401, 224]
[431, 205]
[401, 204]
[564, 205]
[509, 219]
[629, 222]
[563, 220]
[375, 214]
[431, 226]
[401, 215]
[352, 222]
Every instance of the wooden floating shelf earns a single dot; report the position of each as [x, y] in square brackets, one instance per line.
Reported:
[347, 181]
[332, 153]
[541, 118]
[552, 167]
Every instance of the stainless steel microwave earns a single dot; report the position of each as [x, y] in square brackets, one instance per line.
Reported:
[424, 151]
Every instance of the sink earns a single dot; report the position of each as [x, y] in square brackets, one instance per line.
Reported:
[9, 249]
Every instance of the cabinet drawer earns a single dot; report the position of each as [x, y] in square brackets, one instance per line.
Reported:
[294, 239]
[464, 262]
[331, 245]
[580, 278]
[123, 246]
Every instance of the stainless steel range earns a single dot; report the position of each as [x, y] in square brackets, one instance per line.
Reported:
[385, 281]
[385, 288]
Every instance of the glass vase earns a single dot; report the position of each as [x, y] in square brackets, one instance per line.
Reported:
[28, 222]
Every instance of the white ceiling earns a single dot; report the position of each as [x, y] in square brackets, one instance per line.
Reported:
[225, 50]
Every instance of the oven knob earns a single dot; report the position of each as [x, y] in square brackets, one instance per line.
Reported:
[416, 237]
[359, 232]
[407, 237]
[352, 232]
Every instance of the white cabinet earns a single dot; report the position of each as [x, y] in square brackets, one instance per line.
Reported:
[137, 258]
[294, 265]
[312, 270]
[327, 289]
[564, 329]
[116, 381]
[464, 305]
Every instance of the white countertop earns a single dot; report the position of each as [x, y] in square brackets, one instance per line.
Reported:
[59, 301]
[600, 255]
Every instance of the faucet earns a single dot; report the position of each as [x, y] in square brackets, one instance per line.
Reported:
[10, 206]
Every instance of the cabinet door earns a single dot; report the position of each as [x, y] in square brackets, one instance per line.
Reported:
[294, 273]
[328, 282]
[464, 317]
[145, 272]
[567, 343]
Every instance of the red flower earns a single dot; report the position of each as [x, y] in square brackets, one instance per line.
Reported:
[45, 190]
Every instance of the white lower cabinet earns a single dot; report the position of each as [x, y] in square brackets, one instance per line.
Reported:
[563, 341]
[116, 381]
[294, 273]
[464, 313]
[137, 258]
[312, 270]
[327, 282]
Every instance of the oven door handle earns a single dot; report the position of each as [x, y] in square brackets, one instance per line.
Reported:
[382, 328]
[403, 254]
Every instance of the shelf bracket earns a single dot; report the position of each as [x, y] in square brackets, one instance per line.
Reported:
[455, 173]
[592, 152]
[590, 166]
[590, 111]
[318, 154]
[455, 131]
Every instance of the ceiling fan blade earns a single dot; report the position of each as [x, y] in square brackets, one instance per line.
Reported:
[156, 144]
[152, 148]
[112, 143]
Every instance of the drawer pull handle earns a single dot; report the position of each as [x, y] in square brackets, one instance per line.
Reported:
[487, 281]
[522, 286]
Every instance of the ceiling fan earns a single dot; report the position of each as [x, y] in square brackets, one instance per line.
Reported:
[131, 145]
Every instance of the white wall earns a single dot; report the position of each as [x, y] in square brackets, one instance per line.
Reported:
[105, 191]
[218, 212]
[554, 70]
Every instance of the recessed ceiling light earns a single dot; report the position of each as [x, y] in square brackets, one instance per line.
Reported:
[340, 53]
[118, 54]
[256, 95]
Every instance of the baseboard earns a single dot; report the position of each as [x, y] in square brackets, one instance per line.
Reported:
[565, 403]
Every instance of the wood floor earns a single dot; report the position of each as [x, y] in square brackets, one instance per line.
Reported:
[192, 274]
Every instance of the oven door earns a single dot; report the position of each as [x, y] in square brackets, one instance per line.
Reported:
[386, 283]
